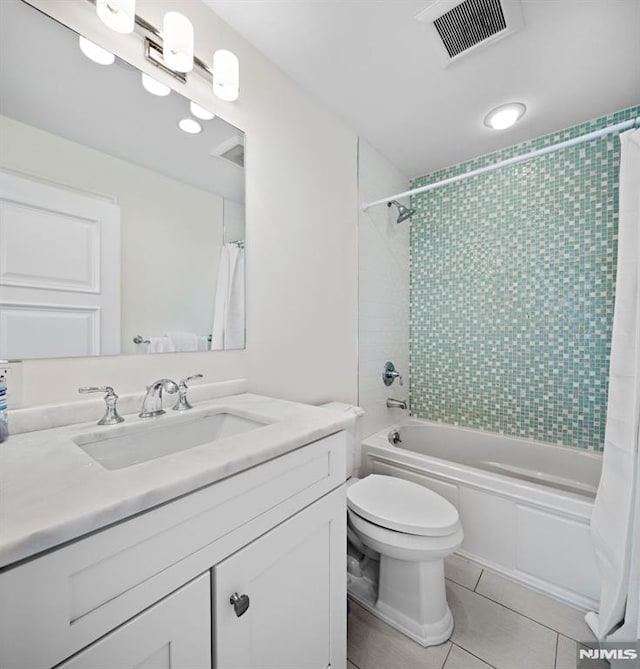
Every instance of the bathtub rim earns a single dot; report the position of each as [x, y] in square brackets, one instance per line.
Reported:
[413, 421]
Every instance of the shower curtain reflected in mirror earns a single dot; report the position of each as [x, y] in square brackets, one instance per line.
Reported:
[228, 317]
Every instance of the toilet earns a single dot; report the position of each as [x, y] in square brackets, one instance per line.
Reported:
[399, 533]
[411, 529]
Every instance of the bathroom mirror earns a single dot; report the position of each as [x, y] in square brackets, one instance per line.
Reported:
[120, 232]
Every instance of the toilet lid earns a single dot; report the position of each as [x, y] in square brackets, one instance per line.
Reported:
[403, 506]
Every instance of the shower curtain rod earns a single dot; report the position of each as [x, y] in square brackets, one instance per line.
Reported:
[617, 127]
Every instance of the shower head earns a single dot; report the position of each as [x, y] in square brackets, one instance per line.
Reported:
[403, 213]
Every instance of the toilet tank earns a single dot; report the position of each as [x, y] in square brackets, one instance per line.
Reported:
[354, 434]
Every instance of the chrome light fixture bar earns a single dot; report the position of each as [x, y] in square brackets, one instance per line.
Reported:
[225, 74]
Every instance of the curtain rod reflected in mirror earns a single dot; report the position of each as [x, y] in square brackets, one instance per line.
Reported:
[114, 220]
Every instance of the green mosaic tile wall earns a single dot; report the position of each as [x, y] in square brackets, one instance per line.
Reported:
[512, 291]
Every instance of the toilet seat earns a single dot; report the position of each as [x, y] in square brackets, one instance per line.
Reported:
[402, 506]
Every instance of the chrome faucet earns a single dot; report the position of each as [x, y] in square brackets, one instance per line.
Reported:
[152, 403]
[396, 404]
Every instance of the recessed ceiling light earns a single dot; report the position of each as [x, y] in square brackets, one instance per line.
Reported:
[154, 86]
[505, 116]
[96, 53]
[190, 126]
[201, 112]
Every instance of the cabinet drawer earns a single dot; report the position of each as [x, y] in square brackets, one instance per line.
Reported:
[174, 633]
[68, 598]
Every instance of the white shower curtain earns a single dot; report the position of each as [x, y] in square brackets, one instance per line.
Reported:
[228, 316]
[615, 524]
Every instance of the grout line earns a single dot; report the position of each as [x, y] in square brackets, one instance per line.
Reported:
[518, 613]
[583, 642]
[350, 660]
[444, 664]
[470, 653]
[555, 661]
[466, 587]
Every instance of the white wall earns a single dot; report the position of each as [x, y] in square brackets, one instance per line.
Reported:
[384, 290]
[301, 202]
[171, 233]
[234, 221]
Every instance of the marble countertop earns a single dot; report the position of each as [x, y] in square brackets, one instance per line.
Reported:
[51, 491]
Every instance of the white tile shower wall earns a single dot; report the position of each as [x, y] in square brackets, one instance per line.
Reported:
[383, 258]
[301, 199]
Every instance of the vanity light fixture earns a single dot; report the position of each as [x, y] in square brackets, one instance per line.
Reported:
[201, 112]
[119, 15]
[505, 116]
[226, 75]
[172, 50]
[154, 86]
[96, 53]
[190, 126]
[177, 42]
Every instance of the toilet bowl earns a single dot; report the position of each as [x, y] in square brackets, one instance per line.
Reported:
[412, 529]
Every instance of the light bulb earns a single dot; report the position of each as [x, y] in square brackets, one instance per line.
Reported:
[190, 126]
[226, 75]
[505, 116]
[119, 15]
[177, 42]
[96, 53]
[201, 112]
[154, 86]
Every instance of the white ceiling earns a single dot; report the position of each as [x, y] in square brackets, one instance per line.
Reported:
[48, 83]
[373, 64]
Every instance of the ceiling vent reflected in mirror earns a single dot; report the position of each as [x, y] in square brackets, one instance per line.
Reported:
[231, 149]
[460, 28]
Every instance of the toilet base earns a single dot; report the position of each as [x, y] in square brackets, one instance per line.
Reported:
[364, 591]
[428, 635]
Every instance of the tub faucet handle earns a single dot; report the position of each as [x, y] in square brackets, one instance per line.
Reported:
[389, 375]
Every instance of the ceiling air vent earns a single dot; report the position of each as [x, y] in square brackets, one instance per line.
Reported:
[457, 28]
[232, 149]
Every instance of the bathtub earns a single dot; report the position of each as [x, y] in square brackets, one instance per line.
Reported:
[525, 506]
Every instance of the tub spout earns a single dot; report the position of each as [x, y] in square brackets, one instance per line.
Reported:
[396, 404]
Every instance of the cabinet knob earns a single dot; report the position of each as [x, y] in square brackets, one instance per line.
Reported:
[240, 603]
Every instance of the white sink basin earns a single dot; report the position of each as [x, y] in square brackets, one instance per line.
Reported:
[130, 445]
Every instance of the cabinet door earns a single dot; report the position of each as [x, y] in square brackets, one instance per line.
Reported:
[295, 578]
[175, 633]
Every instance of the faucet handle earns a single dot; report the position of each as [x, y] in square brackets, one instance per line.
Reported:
[389, 375]
[111, 415]
[183, 382]
[183, 403]
[96, 389]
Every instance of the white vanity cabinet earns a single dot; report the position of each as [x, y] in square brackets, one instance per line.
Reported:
[154, 591]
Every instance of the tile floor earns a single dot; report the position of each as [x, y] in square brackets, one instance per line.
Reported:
[498, 624]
